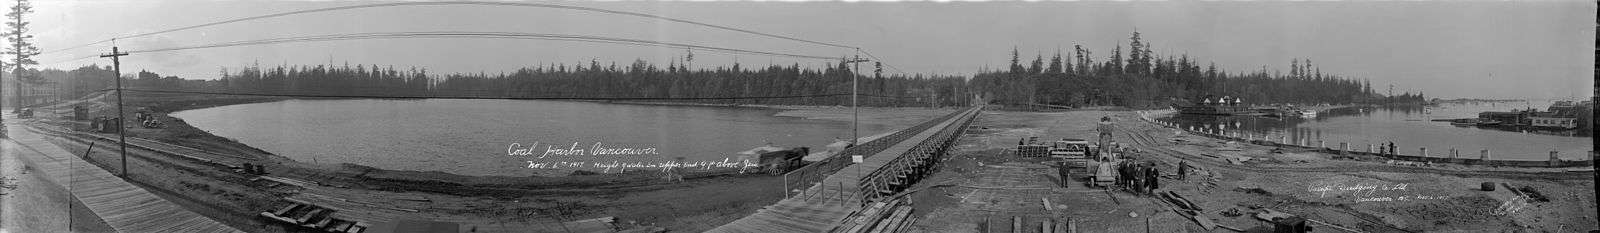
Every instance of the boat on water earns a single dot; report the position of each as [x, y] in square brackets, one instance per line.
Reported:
[1216, 106]
[1468, 122]
[1307, 113]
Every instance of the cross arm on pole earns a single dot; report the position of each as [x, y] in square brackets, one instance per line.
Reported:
[122, 134]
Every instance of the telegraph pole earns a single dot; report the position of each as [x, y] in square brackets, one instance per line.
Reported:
[855, 89]
[3, 133]
[122, 136]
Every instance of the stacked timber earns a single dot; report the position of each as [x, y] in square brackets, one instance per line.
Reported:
[892, 216]
[313, 217]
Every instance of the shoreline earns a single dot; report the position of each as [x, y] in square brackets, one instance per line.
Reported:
[1434, 153]
[713, 196]
[786, 111]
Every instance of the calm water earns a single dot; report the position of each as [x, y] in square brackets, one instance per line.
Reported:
[1409, 129]
[472, 137]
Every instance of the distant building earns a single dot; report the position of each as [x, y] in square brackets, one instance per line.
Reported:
[1562, 114]
[1508, 118]
[1553, 120]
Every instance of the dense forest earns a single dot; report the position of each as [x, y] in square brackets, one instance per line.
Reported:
[1142, 79]
[788, 85]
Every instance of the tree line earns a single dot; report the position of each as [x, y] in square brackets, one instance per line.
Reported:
[1144, 79]
[1141, 79]
[639, 80]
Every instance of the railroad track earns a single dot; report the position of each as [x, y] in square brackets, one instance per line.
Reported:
[146, 144]
[1144, 141]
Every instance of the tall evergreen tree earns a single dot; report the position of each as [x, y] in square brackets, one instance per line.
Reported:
[1055, 63]
[22, 49]
[1115, 64]
[1137, 62]
[1016, 61]
[1037, 66]
[1083, 66]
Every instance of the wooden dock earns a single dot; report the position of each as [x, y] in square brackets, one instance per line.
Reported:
[124, 206]
[824, 206]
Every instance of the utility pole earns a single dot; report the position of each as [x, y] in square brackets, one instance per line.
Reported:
[3, 133]
[855, 88]
[122, 135]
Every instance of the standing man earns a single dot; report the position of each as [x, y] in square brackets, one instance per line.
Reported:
[1154, 175]
[1061, 169]
[1183, 170]
[1139, 179]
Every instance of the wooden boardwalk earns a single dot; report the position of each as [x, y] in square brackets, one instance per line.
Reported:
[825, 205]
[124, 206]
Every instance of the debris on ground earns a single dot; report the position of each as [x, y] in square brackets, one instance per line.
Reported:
[1252, 190]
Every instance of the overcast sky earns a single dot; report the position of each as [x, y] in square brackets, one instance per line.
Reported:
[1447, 49]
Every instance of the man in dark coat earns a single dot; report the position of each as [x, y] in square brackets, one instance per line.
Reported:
[1153, 175]
[1138, 178]
[1183, 170]
[1061, 169]
[1125, 175]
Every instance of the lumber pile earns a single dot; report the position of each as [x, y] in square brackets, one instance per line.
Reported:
[891, 216]
[1188, 209]
[314, 218]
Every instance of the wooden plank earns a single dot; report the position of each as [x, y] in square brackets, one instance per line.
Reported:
[124, 206]
[905, 226]
[1016, 224]
[894, 220]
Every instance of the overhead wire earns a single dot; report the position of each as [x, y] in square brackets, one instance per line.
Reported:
[517, 4]
[466, 34]
[400, 4]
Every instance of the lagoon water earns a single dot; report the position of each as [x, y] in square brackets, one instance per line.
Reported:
[501, 137]
[1410, 129]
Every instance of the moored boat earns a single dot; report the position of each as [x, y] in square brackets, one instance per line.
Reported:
[1218, 106]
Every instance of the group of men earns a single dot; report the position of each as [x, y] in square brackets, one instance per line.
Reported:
[1139, 177]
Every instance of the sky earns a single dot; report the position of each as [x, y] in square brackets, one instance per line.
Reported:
[1476, 49]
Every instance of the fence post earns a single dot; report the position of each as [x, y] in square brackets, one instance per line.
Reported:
[1555, 158]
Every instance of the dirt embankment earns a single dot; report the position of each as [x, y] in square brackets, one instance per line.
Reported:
[701, 201]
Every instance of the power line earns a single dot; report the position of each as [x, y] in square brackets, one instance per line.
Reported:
[880, 60]
[490, 3]
[400, 4]
[497, 35]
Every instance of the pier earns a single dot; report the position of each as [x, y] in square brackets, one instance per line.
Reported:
[837, 187]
